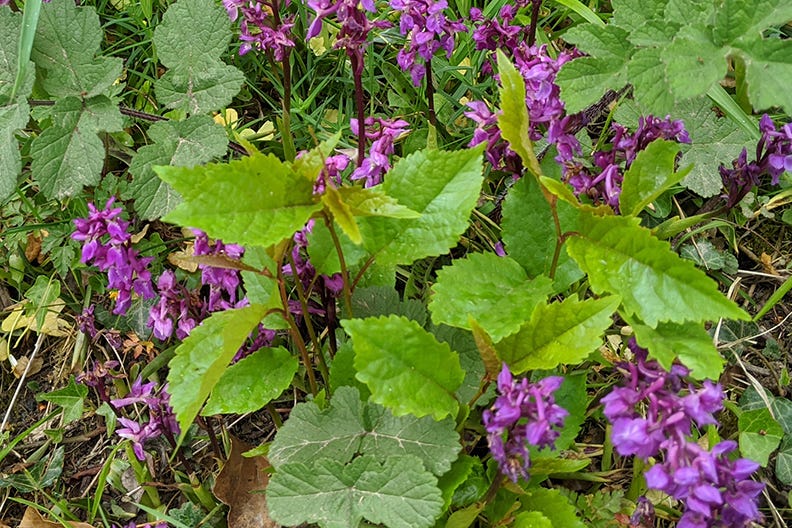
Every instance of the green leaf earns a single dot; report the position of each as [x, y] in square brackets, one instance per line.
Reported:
[414, 374]
[513, 119]
[782, 410]
[465, 517]
[342, 371]
[342, 214]
[529, 232]
[647, 71]
[494, 290]
[349, 427]
[572, 396]
[692, 62]
[374, 301]
[737, 19]
[690, 342]
[71, 398]
[768, 73]
[10, 44]
[197, 81]
[584, 80]
[67, 40]
[532, 519]
[760, 435]
[455, 477]
[654, 283]
[706, 255]
[371, 202]
[443, 188]
[553, 505]
[323, 253]
[470, 359]
[559, 333]
[202, 359]
[253, 382]
[713, 140]
[12, 118]
[398, 493]
[649, 176]
[202, 90]
[270, 203]
[194, 141]
[69, 155]
[783, 465]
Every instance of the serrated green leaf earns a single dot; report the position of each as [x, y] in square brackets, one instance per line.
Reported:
[200, 89]
[443, 188]
[760, 435]
[373, 301]
[323, 253]
[604, 43]
[67, 38]
[783, 465]
[532, 519]
[553, 505]
[651, 88]
[654, 283]
[713, 140]
[349, 427]
[768, 73]
[690, 342]
[12, 24]
[371, 202]
[414, 374]
[202, 358]
[192, 32]
[12, 117]
[470, 359]
[342, 214]
[271, 200]
[529, 232]
[494, 290]
[253, 382]
[693, 62]
[194, 141]
[649, 176]
[342, 371]
[70, 398]
[398, 493]
[455, 477]
[558, 333]
[513, 120]
[572, 396]
[628, 14]
[584, 80]
[737, 19]
[706, 255]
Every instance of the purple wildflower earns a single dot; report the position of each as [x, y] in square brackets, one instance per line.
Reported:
[175, 303]
[524, 413]
[161, 419]
[86, 322]
[107, 245]
[716, 491]
[428, 31]
[382, 133]
[355, 25]
[262, 29]
[222, 282]
[773, 158]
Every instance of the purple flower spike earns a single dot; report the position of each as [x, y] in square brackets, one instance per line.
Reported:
[260, 28]
[382, 133]
[524, 413]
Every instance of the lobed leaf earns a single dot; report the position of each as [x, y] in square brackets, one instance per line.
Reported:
[760, 435]
[271, 200]
[559, 333]
[494, 290]
[12, 118]
[414, 374]
[654, 283]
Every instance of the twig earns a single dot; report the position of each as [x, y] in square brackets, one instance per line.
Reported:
[39, 340]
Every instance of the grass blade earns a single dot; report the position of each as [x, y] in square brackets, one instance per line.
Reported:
[29, 22]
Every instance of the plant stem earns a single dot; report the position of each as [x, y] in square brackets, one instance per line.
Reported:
[536, 5]
[559, 235]
[342, 262]
[430, 94]
[357, 73]
[494, 487]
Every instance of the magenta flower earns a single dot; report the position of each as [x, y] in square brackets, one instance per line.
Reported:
[382, 133]
[260, 28]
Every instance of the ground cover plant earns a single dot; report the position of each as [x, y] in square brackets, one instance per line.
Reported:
[403, 263]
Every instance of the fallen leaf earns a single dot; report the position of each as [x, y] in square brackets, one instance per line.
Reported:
[137, 237]
[53, 325]
[4, 350]
[35, 366]
[33, 247]
[240, 485]
[33, 519]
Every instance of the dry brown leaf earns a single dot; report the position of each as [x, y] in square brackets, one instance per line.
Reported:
[137, 237]
[240, 485]
[33, 247]
[35, 366]
[33, 519]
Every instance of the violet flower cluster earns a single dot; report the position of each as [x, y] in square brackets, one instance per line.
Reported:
[161, 419]
[602, 183]
[261, 28]
[524, 413]
[428, 30]
[716, 491]
[773, 158]
[382, 133]
[108, 246]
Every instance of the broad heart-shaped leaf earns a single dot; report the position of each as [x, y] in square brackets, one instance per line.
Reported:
[690, 342]
[783, 466]
[494, 290]
[412, 374]
[67, 38]
[71, 398]
[562, 332]
[202, 358]
[194, 141]
[270, 201]
[349, 427]
[253, 382]
[768, 65]
[713, 140]
[649, 176]
[655, 284]
[760, 435]
[199, 89]
[513, 120]
[529, 232]
[69, 155]
[191, 33]
[397, 493]
[12, 117]
[443, 188]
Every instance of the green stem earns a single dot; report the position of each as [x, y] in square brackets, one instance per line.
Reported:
[553, 201]
[276, 419]
[741, 86]
[342, 262]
